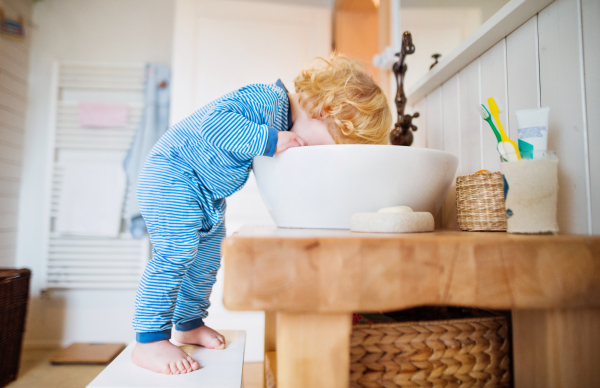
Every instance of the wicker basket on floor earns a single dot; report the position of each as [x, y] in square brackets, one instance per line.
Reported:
[14, 294]
[480, 202]
[457, 353]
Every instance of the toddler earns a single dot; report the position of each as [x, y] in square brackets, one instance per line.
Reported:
[207, 157]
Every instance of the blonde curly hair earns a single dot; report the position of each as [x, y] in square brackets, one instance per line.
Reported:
[340, 92]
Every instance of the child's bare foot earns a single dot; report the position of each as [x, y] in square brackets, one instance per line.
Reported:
[203, 336]
[163, 357]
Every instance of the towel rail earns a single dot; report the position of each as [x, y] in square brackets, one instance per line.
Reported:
[91, 262]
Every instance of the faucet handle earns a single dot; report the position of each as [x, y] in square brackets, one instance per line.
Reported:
[414, 116]
[402, 133]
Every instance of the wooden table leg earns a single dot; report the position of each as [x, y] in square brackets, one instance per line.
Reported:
[270, 366]
[270, 331]
[556, 348]
[313, 350]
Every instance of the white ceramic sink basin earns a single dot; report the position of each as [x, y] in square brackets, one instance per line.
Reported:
[322, 186]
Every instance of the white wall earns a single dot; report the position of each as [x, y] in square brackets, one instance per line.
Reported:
[104, 31]
[14, 63]
[78, 30]
[308, 3]
[435, 30]
[273, 41]
[439, 26]
[487, 7]
[590, 11]
[548, 61]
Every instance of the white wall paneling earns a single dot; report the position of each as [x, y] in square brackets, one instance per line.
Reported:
[420, 136]
[8, 117]
[493, 84]
[549, 60]
[435, 133]
[523, 71]
[561, 90]
[451, 129]
[9, 169]
[11, 152]
[14, 66]
[451, 117]
[7, 239]
[8, 224]
[9, 187]
[590, 12]
[470, 120]
[11, 135]
[12, 101]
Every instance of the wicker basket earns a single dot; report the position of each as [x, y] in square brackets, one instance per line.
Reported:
[480, 202]
[469, 352]
[14, 295]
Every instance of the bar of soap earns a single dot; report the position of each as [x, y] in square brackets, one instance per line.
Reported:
[392, 222]
[395, 209]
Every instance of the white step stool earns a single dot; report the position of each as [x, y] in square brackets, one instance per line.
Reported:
[218, 369]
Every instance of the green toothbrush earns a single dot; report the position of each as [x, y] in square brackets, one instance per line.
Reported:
[486, 115]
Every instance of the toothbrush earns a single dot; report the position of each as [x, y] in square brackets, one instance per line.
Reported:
[485, 114]
[509, 144]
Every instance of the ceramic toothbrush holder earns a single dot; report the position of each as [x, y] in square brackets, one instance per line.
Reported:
[531, 193]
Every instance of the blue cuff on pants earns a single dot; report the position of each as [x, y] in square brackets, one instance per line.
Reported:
[153, 336]
[189, 325]
[271, 146]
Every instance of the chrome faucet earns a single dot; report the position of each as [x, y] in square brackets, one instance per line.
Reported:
[402, 132]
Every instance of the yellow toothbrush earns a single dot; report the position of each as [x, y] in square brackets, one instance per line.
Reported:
[505, 139]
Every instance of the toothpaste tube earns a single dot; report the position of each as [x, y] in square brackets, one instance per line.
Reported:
[533, 131]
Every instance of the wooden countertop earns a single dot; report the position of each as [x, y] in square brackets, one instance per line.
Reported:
[299, 270]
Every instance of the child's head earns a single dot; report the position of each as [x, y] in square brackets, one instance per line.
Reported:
[339, 92]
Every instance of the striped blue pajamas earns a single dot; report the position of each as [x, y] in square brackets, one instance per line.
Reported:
[181, 192]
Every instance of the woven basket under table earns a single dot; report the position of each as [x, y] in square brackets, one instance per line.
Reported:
[480, 202]
[14, 294]
[457, 353]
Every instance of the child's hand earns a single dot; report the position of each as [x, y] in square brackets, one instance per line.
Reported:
[286, 139]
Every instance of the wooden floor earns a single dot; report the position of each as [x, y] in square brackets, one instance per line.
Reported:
[37, 372]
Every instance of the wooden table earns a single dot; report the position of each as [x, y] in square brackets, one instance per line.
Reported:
[310, 281]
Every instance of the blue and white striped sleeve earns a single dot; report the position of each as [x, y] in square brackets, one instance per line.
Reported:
[227, 127]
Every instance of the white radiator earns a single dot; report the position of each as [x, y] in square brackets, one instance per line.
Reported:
[91, 262]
